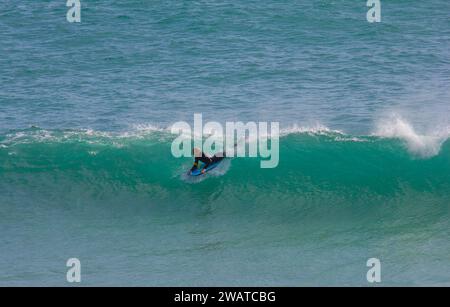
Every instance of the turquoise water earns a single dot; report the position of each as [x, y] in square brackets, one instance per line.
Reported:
[86, 169]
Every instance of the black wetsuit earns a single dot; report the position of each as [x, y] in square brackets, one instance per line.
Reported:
[207, 160]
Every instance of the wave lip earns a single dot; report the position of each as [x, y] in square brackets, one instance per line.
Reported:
[393, 127]
[425, 146]
[317, 129]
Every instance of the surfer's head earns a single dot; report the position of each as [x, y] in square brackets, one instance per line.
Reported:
[196, 152]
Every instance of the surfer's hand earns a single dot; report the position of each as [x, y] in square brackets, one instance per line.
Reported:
[203, 171]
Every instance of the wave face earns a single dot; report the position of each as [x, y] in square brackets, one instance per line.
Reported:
[312, 160]
[334, 201]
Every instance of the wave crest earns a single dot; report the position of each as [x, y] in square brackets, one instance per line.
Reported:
[418, 144]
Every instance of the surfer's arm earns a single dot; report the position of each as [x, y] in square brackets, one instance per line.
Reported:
[208, 161]
[195, 166]
[206, 166]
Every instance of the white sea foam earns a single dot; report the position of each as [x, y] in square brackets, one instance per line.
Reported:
[91, 136]
[321, 130]
[317, 129]
[420, 144]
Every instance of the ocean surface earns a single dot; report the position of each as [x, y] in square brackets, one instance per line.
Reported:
[86, 169]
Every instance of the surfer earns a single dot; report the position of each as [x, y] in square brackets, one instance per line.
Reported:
[200, 156]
